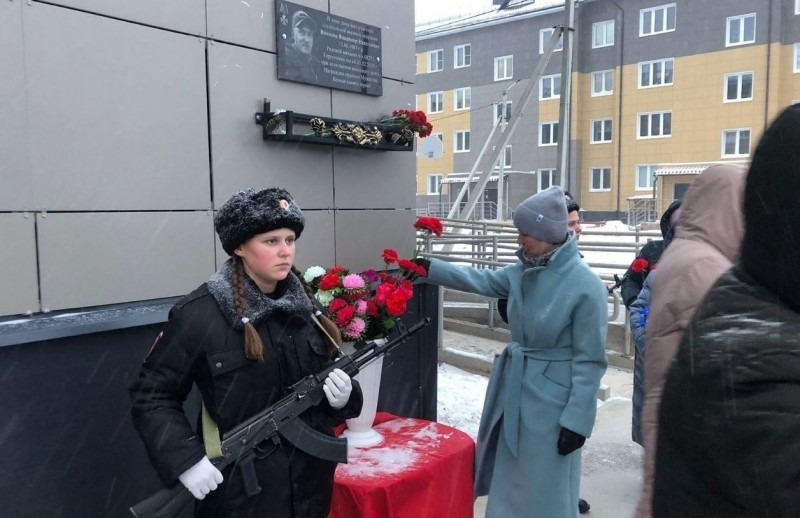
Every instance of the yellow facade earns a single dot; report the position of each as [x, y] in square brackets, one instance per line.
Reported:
[699, 117]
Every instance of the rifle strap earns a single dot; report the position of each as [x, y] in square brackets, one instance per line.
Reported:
[211, 435]
[319, 325]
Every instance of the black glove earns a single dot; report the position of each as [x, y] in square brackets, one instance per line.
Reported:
[419, 261]
[569, 441]
[502, 308]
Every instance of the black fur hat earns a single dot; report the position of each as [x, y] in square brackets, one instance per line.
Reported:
[250, 212]
[771, 244]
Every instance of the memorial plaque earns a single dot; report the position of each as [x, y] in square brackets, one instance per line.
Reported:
[322, 49]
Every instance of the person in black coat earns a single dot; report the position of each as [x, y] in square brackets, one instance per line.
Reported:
[730, 416]
[648, 256]
[243, 338]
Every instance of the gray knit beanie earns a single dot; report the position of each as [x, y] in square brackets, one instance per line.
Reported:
[251, 212]
[543, 216]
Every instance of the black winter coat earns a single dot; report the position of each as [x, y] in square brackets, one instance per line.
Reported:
[199, 345]
[632, 282]
[729, 419]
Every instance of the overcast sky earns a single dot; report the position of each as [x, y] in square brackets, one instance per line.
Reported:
[430, 10]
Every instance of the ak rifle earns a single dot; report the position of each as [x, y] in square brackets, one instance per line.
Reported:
[244, 444]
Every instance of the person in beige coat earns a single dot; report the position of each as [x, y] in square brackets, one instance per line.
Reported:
[706, 244]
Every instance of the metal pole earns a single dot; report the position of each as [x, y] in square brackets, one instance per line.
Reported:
[501, 169]
[564, 106]
[501, 146]
[454, 208]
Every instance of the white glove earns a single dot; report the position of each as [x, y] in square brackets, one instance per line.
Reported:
[201, 479]
[337, 388]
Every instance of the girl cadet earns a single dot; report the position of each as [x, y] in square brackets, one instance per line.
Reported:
[244, 337]
[541, 401]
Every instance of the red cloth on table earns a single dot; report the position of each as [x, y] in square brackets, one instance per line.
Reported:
[422, 469]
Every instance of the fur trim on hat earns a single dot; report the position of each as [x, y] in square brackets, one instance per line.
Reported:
[250, 212]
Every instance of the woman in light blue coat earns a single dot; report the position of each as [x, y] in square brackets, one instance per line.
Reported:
[541, 400]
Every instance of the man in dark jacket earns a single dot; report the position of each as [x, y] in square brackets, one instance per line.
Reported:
[647, 257]
[729, 416]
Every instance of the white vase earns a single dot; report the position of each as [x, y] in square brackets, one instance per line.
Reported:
[359, 432]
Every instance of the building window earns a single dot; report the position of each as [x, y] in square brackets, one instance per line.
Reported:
[462, 56]
[462, 98]
[547, 178]
[550, 87]
[601, 131]
[654, 125]
[544, 39]
[506, 158]
[602, 83]
[645, 176]
[656, 73]
[434, 184]
[548, 133]
[497, 112]
[603, 34]
[738, 87]
[436, 60]
[735, 143]
[461, 141]
[503, 68]
[435, 102]
[657, 20]
[600, 179]
[796, 58]
[740, 30]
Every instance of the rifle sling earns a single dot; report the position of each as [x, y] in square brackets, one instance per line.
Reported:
[315, 443]
[211, 435]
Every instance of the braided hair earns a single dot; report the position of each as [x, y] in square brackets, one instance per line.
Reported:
[328, 325]
[253, 346]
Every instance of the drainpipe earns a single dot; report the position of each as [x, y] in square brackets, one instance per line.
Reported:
[769, 69]
[621, 32]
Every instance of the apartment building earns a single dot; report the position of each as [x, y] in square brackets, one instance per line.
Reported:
[660, 90]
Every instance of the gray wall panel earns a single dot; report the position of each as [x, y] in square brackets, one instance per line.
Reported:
[397, 34]
[250, 23]
[15, 172]
[18, 265]
[105, 258]
[117, 113]
[388, 176]
[239, 79]
[396, 95]
[362, 235]
[178, 15]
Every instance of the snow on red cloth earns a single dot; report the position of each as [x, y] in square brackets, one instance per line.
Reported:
[422, 469]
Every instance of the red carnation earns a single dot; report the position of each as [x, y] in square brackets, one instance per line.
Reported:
[406, 289]
[329, 281]
[640, 265]
[429, 224]
[336, 270]
[389, 256]
[395, 304]
[372, 309]
[382, 293]
[405, 264]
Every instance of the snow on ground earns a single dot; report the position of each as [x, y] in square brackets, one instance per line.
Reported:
[460, 398]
